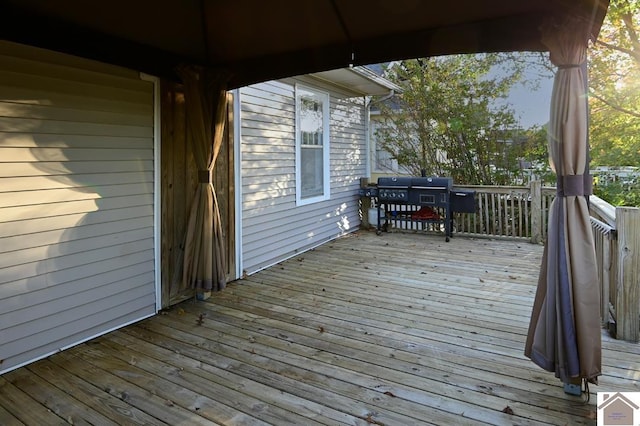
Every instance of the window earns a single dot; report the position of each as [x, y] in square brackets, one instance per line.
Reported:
[383, 161]
[312, 145]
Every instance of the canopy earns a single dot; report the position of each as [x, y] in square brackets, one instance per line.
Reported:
[257, 40]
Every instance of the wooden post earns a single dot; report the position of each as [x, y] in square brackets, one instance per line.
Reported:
[365, 205]
[628, 279]
[535, 186]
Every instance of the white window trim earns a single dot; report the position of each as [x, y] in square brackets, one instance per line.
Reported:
[326, 141]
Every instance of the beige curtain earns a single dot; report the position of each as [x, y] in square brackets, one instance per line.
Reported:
[564, 332]
[204, 266]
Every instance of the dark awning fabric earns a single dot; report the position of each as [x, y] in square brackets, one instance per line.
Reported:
[257, 40]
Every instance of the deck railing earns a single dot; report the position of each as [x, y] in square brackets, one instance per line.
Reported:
[518, 212]
[616, 232]
[521, 212]
[514, 212]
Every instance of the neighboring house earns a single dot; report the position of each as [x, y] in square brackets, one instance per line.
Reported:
[625, 175]
[303, 144]
[92, 218]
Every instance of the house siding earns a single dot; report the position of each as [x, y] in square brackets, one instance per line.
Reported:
[273, 226]
[76, 201]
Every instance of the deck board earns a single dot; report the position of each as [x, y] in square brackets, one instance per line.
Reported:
[23, 408]
[395, 329]
[110, 406]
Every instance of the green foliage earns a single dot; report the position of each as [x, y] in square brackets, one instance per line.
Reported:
[536, 151]
[446, 121]
[619, 194]
[614, 80]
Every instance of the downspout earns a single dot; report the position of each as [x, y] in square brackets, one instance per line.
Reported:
[367, 120]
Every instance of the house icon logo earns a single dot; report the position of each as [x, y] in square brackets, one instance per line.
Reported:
[620, 408]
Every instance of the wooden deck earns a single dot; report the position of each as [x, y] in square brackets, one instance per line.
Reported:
[399, 329]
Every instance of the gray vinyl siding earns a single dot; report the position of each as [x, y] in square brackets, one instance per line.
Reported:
[273, 226]
[76, 201]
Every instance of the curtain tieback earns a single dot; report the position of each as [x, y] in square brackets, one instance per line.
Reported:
[204, 176]
[574, 185]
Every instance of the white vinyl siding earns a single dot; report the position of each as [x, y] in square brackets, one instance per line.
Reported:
[76, 201]
[274, 227]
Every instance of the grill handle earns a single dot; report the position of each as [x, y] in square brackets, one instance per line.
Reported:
[439, 188]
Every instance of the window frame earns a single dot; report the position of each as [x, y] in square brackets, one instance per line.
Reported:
[301, 92]
[380, 165]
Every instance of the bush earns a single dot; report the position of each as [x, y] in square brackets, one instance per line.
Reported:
[619, 194]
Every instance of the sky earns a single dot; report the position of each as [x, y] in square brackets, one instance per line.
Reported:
[532, 107]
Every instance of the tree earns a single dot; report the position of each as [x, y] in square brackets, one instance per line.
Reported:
[446, 120]
[537, 153]
[614, 81]
[614, 97]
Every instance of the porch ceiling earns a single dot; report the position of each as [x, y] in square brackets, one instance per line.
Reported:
[260, 40]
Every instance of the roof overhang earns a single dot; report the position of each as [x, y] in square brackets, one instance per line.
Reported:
[358, 81]
[258, 40]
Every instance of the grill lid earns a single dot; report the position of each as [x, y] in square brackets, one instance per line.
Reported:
[431, 182]
[394, 182]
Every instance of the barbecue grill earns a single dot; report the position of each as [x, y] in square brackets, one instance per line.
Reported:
[432, 199]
